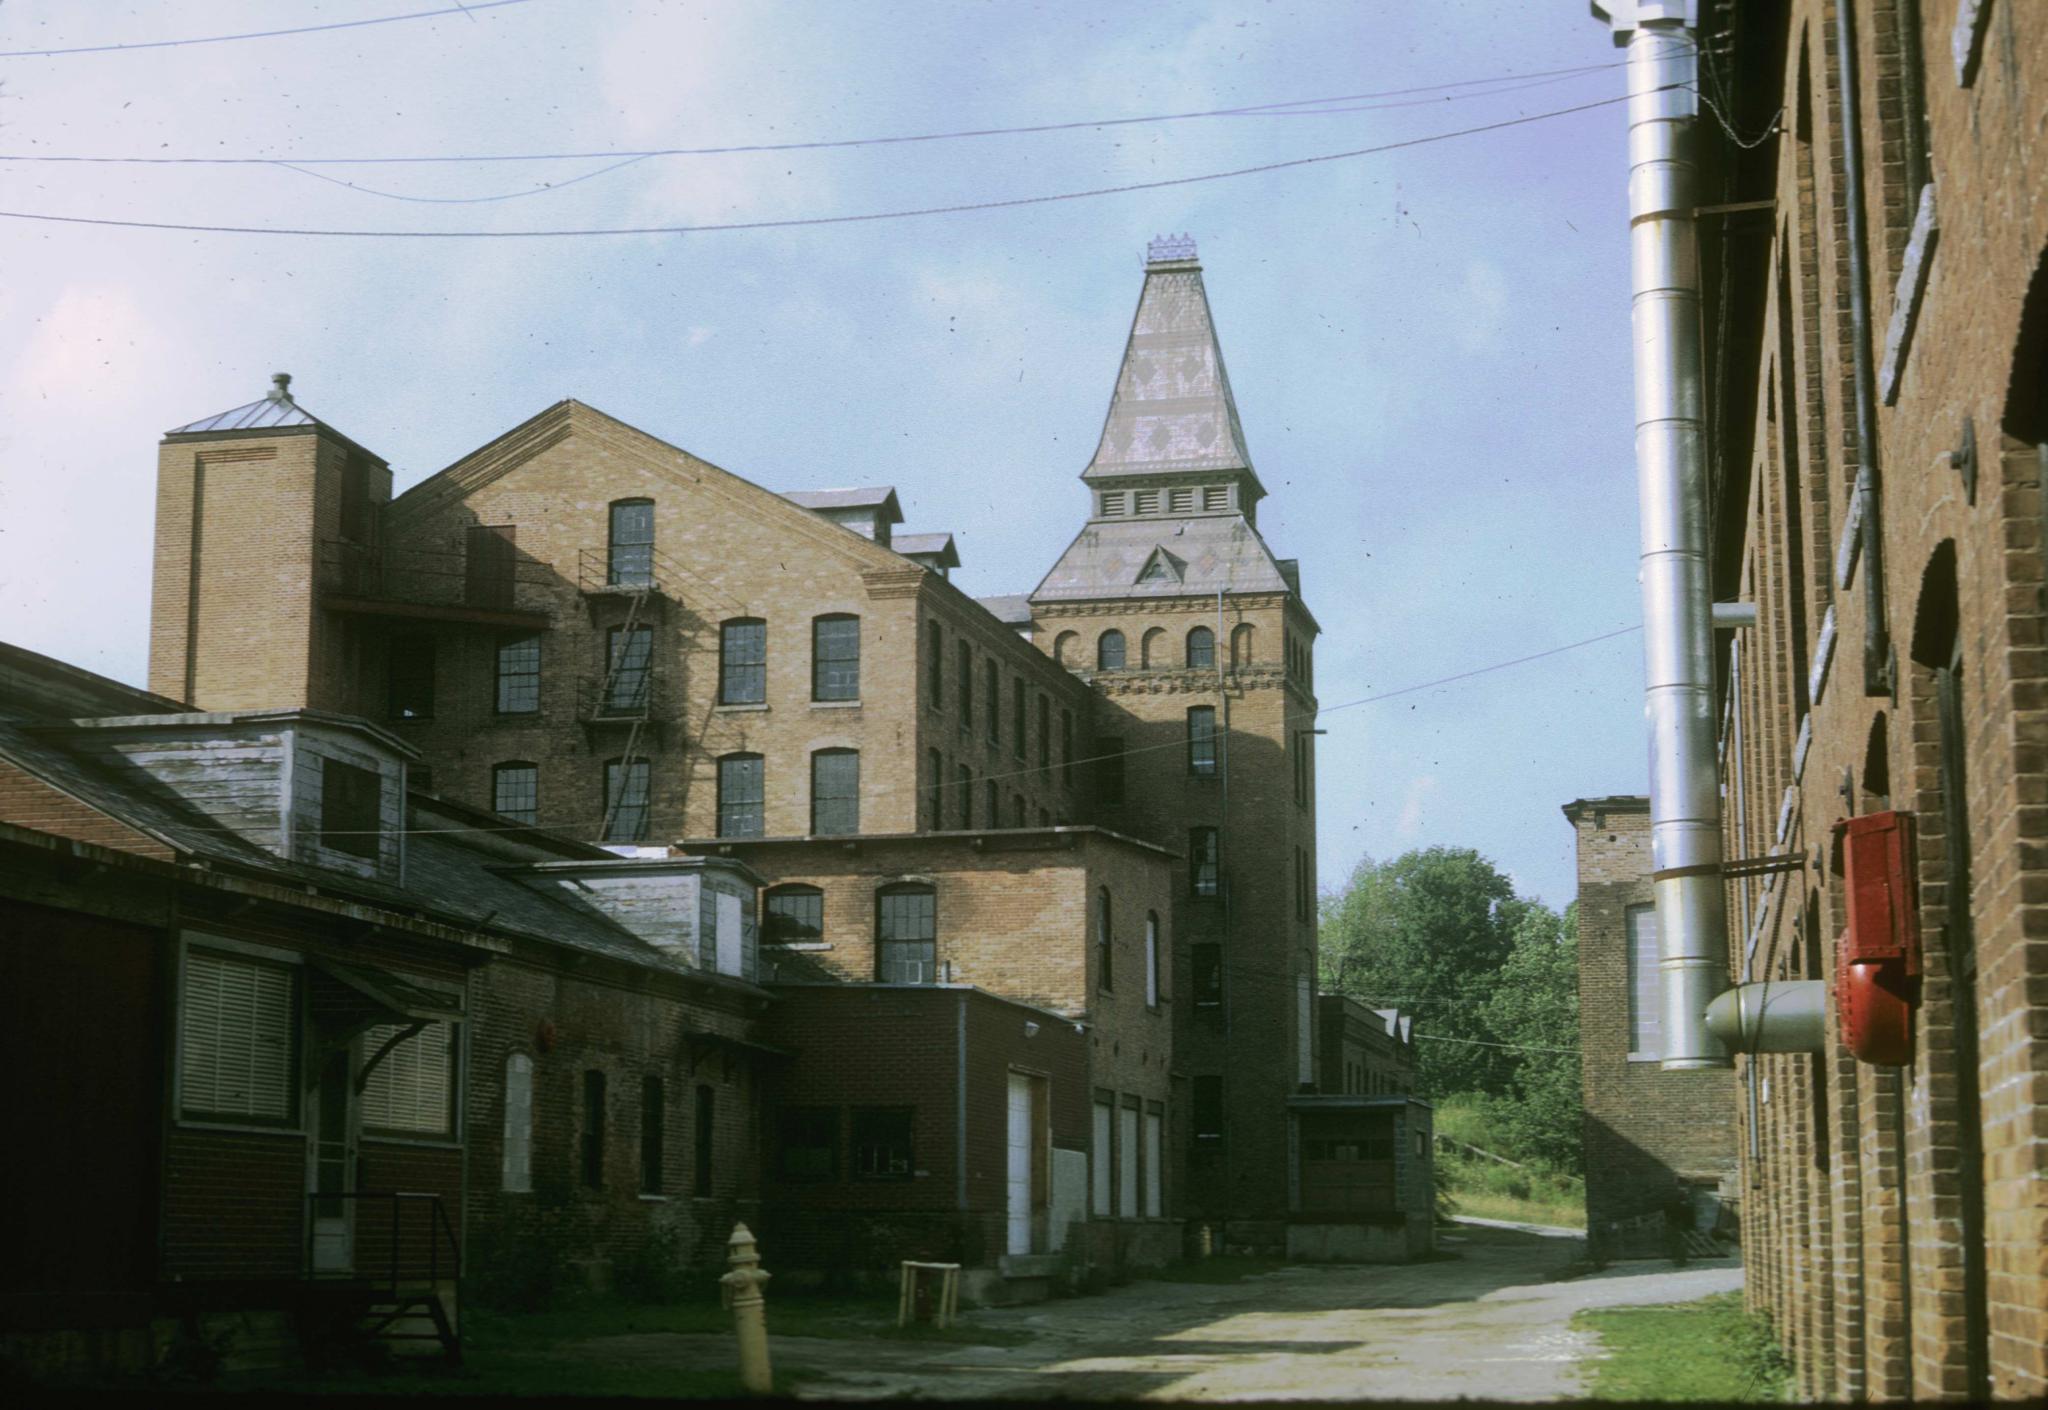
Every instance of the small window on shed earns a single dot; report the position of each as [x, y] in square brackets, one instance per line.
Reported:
[349, 820]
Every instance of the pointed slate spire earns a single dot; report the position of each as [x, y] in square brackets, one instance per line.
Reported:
[1172, 412]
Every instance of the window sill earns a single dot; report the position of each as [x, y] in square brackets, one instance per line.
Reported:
[792, 947]
[742, 708]
[653, 1199]
[836, 704]
[436, 1143]
[245, 1128]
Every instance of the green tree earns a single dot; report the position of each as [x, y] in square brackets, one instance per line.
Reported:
[1535, 1007]
[1429, 932]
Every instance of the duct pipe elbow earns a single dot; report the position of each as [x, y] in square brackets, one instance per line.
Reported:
[1734, 615]
[1786, 1016]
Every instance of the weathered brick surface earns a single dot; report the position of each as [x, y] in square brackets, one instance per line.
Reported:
[1861, 1224]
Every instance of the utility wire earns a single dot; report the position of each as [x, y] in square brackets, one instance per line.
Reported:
[787, 223]
[1306, 106]
[468, 9]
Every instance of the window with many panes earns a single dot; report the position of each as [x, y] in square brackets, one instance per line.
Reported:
[935, 665]
[807, 1143]
[935, 787]
[835, 792]
[795, 915]
[963, 797]
[882, 1142]
[629, 657]
[964, 672]
[1202, 741]
[238, 1051]
[1044, 732]
[1202, 860]
[1645, 996]
[742, 783]
[743, 661]
[906, 935]
[835, 658]
[992, 702]
[1067, 747]
[1017, 717]
[411, 1091]
[1201, 654]
[625, 800]
[515, 790]
[1205, 974]
[629, 562]
[1109, 651]
[518, 674]
[349, 821]
[992, 804]
[409, 678]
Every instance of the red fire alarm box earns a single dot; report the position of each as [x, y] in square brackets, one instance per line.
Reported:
[1877, 965]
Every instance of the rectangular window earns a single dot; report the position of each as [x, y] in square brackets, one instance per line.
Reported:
[1302, 766]
[1206, 964]
[625, 800]
[653, 1118]
[964, 796]
[593, 1130]
[412, 1091]
[518, 1143]
[1215, 498]
[881, 1142]
[935, 665]
[992, 702]
[628, 669]
[1202, 741]
[1109, 772]
[1017, 717]
[1205, 1098]
[491, 553]
[835, 792]
[1181, 499]
[409, 678]
[1155, 1160]
[1018, 816]
[835, 658]
[935, 787]
[515, 792]
[1151, 960]
[964, 671]
[743, 662]
[992, 803]
[630, 562]
[807, 1143]
[704, 1133]
[1044, 732]
[1202, 860]
[906, 936]
[1067, 747]
[796, 915]
[1127, 1159]
[742, 784]
[349, 820]
[1101, 1175]
[518, 674]
[1105, 942]
[1645, 992]
[237, 1048]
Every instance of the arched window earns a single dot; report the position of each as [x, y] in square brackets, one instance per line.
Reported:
[835, 657]
[1241, 643]
[835, 792]
[1151, 959]
[743, 661]
[1201, 649]
[1151, 649]
[906, 935]
[1105, 944]
[1064, 646]
[630, 560]
[795, 915]
[1109, 651]
[741, 789]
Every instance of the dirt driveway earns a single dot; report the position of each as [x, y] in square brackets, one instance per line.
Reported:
[1484, 1324]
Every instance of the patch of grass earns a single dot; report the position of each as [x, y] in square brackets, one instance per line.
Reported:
[1221, 1268]
[1705, 1350]
[1533, 1192]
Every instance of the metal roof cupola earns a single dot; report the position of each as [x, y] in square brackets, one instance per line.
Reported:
[272, 410]
[1172, 414]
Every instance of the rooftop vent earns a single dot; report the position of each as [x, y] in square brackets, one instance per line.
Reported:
[280, 386]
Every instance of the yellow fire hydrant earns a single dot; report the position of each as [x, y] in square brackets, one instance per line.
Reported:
[742, 1290]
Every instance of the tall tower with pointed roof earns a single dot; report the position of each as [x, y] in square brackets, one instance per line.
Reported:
[1200, 651]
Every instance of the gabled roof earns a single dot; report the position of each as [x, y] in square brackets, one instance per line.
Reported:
[1214, 553]
[1011, 609]
[935, 546]
[1172, 412]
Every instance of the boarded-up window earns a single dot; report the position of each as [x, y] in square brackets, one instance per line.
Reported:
[1151, 959]
[348, 808]
[1645, 997]
[1127, 1160]
[488, 565]
[412, 1091]
[732, 941]
[237, 1057]
[518, 1160]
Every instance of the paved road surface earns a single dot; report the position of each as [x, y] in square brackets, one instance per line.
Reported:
[1485, 1324]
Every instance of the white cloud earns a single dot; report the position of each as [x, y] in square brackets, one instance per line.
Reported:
[1414, 804]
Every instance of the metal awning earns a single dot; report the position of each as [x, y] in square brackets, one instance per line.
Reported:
[399, 998]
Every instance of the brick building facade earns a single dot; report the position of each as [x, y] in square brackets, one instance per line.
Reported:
[1894, 1215]
[1652, 1139]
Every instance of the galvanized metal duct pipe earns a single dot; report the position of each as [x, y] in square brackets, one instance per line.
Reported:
[1788, 1016]
[1676, 574]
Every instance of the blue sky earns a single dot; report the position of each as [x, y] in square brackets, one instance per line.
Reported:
[1429, 346]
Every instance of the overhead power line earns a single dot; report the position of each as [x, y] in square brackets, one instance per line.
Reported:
[468, 9]
[1308, 107]
[194, 227]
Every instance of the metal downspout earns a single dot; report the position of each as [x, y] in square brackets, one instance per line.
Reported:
[1676, 574]
[1877, 646]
